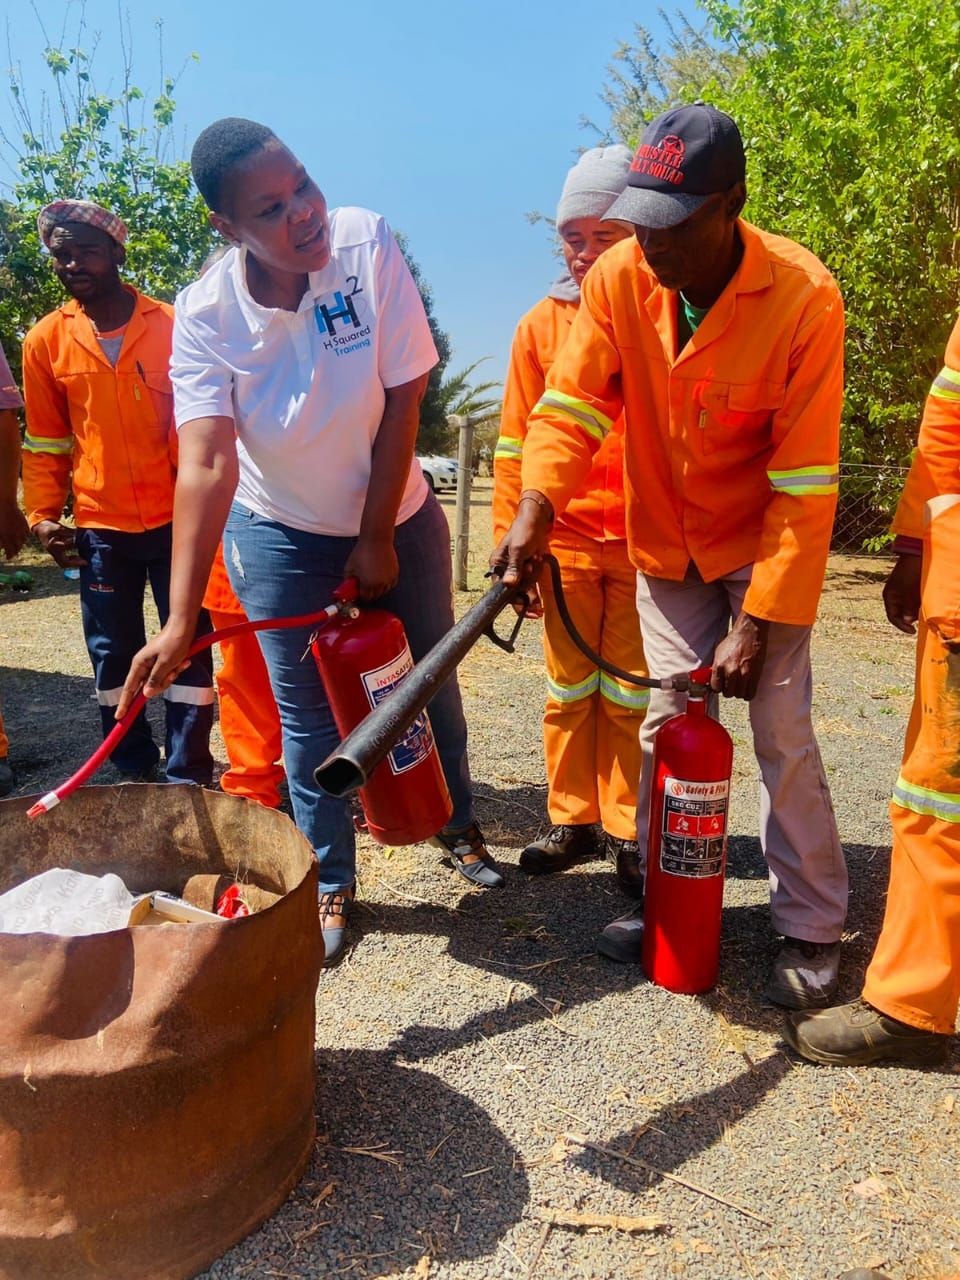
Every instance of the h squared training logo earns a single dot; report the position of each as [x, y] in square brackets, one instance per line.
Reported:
[340, 307]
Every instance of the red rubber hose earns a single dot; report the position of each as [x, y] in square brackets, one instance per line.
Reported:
[344, 594]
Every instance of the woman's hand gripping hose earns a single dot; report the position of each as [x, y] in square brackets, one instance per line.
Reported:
[344, 596]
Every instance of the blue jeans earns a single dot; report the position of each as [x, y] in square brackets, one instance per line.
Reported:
[112, 583]
[277, 571]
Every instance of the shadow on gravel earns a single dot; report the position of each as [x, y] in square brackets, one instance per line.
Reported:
[428, 1172]
[685, 1128]
[512, 815]
[53, 725]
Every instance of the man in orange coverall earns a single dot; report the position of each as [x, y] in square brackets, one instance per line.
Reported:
[591, 726]
[99, 405]
[722, 346]
[908, 1011]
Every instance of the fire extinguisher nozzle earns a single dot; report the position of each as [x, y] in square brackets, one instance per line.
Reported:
[338, 776]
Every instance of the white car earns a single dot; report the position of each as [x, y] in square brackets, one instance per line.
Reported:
[439, 473]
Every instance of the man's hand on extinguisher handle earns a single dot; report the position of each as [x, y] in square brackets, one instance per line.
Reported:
[519, 556]
[739, 657]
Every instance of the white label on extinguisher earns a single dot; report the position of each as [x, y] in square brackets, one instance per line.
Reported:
[417, 743]
[694, 833]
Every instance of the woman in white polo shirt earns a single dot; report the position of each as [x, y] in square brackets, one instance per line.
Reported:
[299, 363]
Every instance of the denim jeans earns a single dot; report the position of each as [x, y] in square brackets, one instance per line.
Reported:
[112, 583]
[277, 571]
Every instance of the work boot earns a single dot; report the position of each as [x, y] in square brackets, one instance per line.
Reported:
[625, 856]
[622, 939]
[335, 909]
[468, 852]
[854, 1035]
[804, 974]
[8, 779]
[562, 846]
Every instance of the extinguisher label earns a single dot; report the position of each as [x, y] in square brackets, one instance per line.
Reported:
[694, 827]
[417, 743]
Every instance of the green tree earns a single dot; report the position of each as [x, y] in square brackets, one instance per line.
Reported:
[433, 431]
[850, 112]
[114, 149]
[460, 395]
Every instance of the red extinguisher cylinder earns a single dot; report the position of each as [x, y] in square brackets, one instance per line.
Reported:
[686, 857]
[361, 661]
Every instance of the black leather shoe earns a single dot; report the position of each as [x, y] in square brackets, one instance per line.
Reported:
[856, 1034]
[625, 856]
[469, 842]
[562, 846]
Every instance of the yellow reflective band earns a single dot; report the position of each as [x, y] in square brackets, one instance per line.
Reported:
[932, 804]
[946, 385]
[801, 480]
[592, 420]
[47, 444]
[508, 447]
[573, 692]
[633, 698]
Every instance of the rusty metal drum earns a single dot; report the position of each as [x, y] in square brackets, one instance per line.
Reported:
[156, 1084]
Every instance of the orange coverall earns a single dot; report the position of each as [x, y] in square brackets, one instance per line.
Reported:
[731, 446]
[915, 972]
[591, 722]
[249, 720]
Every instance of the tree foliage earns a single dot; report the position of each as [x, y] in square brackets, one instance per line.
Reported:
[433, 432]
[850, 112]
[118, 150]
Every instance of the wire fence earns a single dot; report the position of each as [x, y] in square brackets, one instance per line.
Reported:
[868, 499]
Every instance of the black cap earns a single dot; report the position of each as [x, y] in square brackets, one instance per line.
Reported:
[684, 156]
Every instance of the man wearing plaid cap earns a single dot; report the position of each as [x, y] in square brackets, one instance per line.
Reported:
[99, 408]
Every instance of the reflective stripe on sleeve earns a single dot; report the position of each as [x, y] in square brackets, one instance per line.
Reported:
[946, 385]
[629, 696]
[47, 444]
[201, 696]
[573, 692]
[508, 447]
[803, 480]
[933, 804]
[109, 697]
[594, 422]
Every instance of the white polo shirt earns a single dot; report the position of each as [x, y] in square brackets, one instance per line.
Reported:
[306, 388]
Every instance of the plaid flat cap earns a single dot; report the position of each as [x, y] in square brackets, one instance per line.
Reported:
[94, 215]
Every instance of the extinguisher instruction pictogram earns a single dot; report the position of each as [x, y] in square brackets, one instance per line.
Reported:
[694, 833]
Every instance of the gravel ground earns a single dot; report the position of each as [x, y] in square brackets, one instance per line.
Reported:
[473, 1043]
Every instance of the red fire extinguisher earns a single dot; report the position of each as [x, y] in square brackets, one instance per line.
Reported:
[362, 656]
[686, 855]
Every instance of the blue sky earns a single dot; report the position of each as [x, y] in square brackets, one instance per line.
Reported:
[453, 118]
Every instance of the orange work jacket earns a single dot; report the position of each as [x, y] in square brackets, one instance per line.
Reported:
[597, 510]
[732, 444]
[929, 507]
[935, 470]
[111, 426]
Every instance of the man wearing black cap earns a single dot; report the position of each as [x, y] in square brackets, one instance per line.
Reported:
[722, 346]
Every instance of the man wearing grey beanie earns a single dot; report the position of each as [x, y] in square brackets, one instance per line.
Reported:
[591, 724]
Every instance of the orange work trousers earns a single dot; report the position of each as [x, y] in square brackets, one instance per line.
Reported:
[591, 725]
[249, 720]
[915, 972]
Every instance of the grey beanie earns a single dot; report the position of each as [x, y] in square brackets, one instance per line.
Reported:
[594, 183]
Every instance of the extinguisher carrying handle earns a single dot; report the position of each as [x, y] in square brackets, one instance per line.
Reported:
[695, 683]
